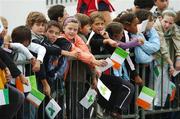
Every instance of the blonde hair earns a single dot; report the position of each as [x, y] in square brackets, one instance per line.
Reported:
[169, 12]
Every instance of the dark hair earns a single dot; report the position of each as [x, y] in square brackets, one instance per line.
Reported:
[56, 11]
[144, 15]
[114, 28]
[52, 23]
[144, 4]
[83, 19]
[21, 34]
[126, 18]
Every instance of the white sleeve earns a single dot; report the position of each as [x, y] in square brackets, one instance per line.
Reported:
[39, 49]
[21, 48]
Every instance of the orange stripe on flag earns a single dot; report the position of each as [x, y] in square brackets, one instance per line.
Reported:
[19, 85]
[143, 104]
[172, 95]
[2, 79]
[116, 64]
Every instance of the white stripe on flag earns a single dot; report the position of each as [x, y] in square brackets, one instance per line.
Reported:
[145, 97]
[34, 99]
[2, 99]
[117, 58]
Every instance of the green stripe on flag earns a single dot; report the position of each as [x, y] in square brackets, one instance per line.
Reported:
[37, 94]
[33, 81]
[148, 91]
[121, 52]
[6, 95]
[156, 71]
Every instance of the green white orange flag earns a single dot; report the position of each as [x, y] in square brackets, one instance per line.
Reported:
[26, 88]
[103, 90]
[145, 98]
[4, 97]
[118, 57]
[89, 98]
[35, 97]
[52, 109]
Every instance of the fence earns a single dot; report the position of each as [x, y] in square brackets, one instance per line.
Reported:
[77, 85]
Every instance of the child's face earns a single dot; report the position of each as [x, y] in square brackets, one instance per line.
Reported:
[38, 28]
[71, 30]
[52, 33]
[167, 22]
[86, 29]
[132, 28]
[149, 25]
[162, 4]
[26, 43]
[98, 25]
[117, 37]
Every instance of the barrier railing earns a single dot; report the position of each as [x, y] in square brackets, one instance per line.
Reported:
[77, 84]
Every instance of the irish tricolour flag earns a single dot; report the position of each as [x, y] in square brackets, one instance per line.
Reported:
[4, 97]
[145, 98]
[26, 88]
[118, 57]
[35, 97]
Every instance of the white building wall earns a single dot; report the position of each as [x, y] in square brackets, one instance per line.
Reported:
[16, 11]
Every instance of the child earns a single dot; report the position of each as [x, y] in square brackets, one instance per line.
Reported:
[169, 49]
[99, 43]
[115, 31]
[84, 28]
[57, 13]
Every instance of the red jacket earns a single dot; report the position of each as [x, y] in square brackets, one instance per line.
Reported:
[88, 6]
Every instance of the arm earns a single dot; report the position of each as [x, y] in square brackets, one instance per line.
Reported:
[152, 44]
[40, 50]
[130, 44]
[21, 48]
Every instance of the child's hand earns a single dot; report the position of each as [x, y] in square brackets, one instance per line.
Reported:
[36, 66]
[74, 54]
[110, 42]
[101, 63]
[23, 79]
[46, 88]
[8, 74]
[141, 41]
[104, 34]
[55, 62]
[171, 70]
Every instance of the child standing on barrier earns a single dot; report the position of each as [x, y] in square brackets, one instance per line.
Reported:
[169, 53]
[122, 91]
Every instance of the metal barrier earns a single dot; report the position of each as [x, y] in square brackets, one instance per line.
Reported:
[64, 2]
[76, 86]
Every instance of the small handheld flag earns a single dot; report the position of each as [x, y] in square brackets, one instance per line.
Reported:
[145, 98]
[89, 98]
[118, 57]
[52, 109]
[4, 97]
[35, 97]
[103, 90]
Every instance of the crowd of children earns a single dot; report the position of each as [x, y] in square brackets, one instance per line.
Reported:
[50, 46]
